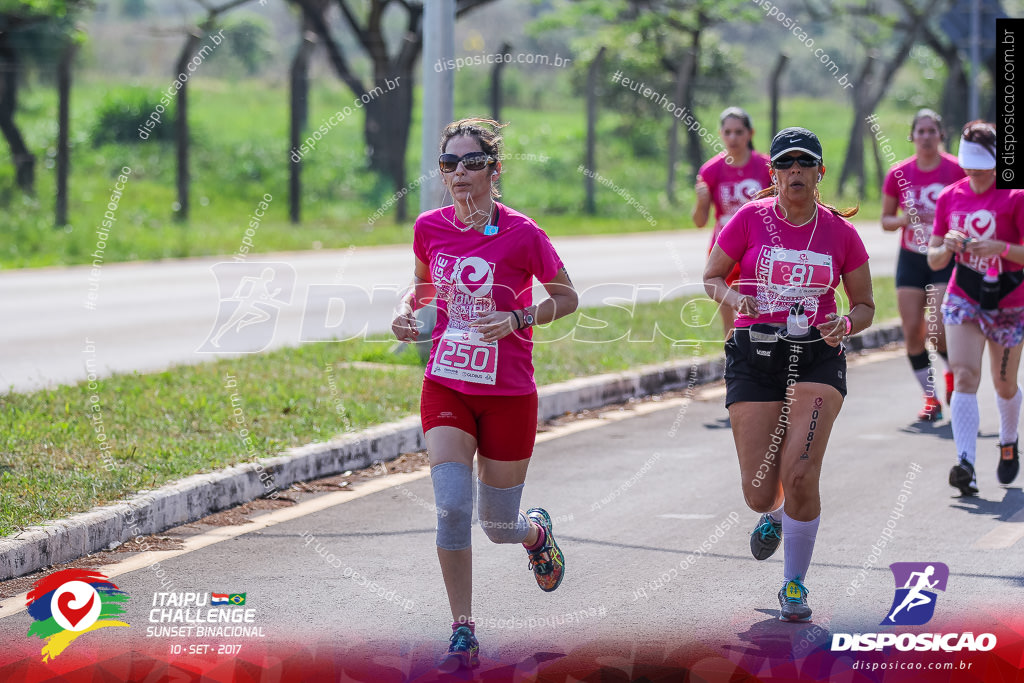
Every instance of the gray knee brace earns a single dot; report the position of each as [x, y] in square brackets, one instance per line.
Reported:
[499, 513]
[453, 498]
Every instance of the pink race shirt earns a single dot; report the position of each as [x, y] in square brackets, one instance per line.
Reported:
[731, 187]
[919, 189]
[475, 274]
[993, 214]
[781, 265]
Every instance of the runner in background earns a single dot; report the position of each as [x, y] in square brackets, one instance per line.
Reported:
[729, 180]
[476, 260]
[908, 206]
[982, 227]
[785, 366]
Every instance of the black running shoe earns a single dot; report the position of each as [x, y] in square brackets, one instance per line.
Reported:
[765, 538]
[1009, 463]
[962, 477]
[463, 651]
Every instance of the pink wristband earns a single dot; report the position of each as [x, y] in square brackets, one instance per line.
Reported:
[1006, 250]
[849, 324]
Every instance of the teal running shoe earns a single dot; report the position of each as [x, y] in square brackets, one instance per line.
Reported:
[793, 601]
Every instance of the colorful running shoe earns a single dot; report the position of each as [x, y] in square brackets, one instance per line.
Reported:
[962, 477]
[463, 651]
[793, 601]
[547, 561]
[949, 386]
[1009, 463]
[932, 411]
[765, 538]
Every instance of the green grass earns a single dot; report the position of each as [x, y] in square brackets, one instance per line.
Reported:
[169, 425]
[240, 152]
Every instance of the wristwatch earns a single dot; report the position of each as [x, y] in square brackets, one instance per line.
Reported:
[527, 318]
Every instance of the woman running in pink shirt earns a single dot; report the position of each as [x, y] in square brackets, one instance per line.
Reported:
[911, 187]
[729, 180]
[785, 366]
[982, 228]
[476, 260]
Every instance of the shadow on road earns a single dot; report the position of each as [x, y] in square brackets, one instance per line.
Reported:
[942, 430]
[1011, 503]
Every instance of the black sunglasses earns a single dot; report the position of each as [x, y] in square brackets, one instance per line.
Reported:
[805, 161]
[474, 161]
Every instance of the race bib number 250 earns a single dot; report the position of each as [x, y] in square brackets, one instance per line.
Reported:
[462, 356]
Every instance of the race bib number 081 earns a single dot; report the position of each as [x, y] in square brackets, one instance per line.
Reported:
[462, 356]
[799, 274]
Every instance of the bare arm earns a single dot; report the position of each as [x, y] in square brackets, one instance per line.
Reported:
[703, 206]
[891, 219]
[562, 300]
[857, 284]
[941, 249]
[718, 266]
[420, 293]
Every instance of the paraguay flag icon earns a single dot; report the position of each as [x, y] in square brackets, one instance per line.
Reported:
[916, 586]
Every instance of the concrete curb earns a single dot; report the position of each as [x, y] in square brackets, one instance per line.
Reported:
[192, 498]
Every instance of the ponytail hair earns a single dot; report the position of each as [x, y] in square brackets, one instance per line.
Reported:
[848, 212]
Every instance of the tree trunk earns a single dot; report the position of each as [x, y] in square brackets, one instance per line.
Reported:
[63, 154]
[181, 137]
[954, 101]
[23, 159]
[695, 151]
[879, 164]
[866, 97]
[496, 82]
[682, 74]
[299, 85]
[853, 164]
[386, 130]
[593, 72]
[773, 91]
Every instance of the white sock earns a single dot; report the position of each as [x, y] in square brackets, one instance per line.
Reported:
[924, 378]
[1009, 416]
[777, 514]
[798, 545]
[964, 408]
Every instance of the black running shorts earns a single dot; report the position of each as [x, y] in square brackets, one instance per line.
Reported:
[912, 271]
[760, 372]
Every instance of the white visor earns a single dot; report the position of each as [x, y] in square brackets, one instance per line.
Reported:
[975, 157]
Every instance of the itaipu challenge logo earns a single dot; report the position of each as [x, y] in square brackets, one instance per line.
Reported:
[70, 603]
[916, 583]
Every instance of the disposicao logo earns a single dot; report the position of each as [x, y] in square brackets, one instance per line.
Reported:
[916, 583]
[69, 603]
[914, 605]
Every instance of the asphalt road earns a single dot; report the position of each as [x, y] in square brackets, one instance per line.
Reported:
[636, 495]
[61, 324]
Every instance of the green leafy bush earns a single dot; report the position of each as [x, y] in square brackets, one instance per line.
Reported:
[122, 114]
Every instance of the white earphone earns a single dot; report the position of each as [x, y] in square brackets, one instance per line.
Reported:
[819, 177]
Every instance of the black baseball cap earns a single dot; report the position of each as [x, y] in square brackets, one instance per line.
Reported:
[795, 140]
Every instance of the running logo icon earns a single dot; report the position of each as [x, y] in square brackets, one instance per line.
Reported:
[250, 299]
[72, 602]
[916, 583]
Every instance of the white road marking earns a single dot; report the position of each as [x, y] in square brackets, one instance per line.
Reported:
[1004, 535]
[17, 603]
